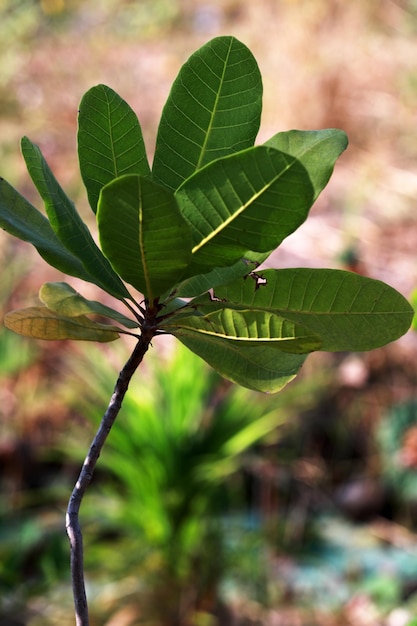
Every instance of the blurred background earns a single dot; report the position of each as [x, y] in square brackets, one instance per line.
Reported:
[213, 505]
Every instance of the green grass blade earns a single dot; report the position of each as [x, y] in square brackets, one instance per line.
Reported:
[213, 110]
[348, 311]
[39, 322]
[143, 234]
[110, 141]
[21, 219]
[248, 201]
[67, 223]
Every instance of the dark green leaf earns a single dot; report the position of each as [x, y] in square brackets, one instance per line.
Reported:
[143, 234]
[67, 223]
[40, 322]
[197, 285]
[255, 367]
[22, 220]
[64, 300]
[213, 110]
[248, 201]
[110, 142]
[348, 311]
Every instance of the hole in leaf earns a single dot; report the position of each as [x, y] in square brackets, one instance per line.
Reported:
[260, 280]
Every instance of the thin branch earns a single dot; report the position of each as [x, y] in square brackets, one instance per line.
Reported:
[133, 310]
[84, 479]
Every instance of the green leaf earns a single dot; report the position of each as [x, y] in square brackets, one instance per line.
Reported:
[40, 322]
[64, 300]
[246, 327]
[110, 141]
[413, 300]
[348, 311]
[197, 285]
[256, 367]
[213, 110]
[317, 150]
[68, 225]
[22, 220]
[143, 234]
[248, 201]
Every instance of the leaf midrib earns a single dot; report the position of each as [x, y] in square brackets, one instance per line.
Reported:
[75, 221]
[141, 243]
[243, 207]
[214, 111]
[213, 333]
[111, 135]
[285, 311]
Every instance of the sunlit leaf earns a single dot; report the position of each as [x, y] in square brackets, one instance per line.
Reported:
[64, 300]
[317, 150]
[251, 327]
[413, 301]
[41, 323]
[67, 223]
[348, 311]
[110, 142]
[143, 234]
[248, 201]
[213, 110]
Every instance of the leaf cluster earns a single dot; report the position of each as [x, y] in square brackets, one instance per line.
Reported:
[189, 232]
